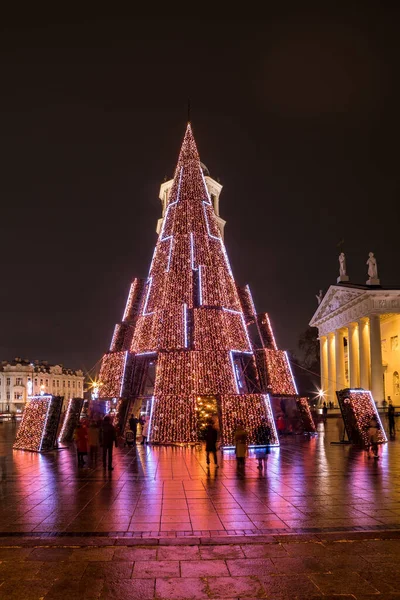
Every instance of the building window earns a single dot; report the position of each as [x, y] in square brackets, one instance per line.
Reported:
[47, 382]
[35, 381]
[63, 382]
[54, 383]
[69, 384]
[73, 384]
[41, 382]
[17, 396]
[8, 381]
[79, 384]
[58, 383]
[394, 343]
[8, 396]
[396, 383]
[18, 381]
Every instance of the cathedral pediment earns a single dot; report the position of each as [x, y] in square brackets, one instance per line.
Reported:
[334, 301]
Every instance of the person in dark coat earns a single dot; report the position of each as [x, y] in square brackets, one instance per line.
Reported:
[108, 437]
[133, 423]
[211, 437]
[263, 437]
[391, 414]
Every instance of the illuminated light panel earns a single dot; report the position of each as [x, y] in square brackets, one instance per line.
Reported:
[71, 420]
[272, 334]
[111, 374]
[131, 298]
[192, 251]
[306, 416]
[291, 372]
[149, 282]
[274, 372]
[123, 375]
[185, 324]
[248, 408]
[151, 418]
[38, 429]
[200, 287]
[357, 406]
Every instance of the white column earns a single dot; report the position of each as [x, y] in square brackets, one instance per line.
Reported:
[376, 358]
[323, 345]
[331, 368]
[339, 353]
[363, 339]
[354, 355]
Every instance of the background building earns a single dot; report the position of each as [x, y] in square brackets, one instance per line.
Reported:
[21, 378]
[359, 332]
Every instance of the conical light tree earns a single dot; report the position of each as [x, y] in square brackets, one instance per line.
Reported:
[194, 325]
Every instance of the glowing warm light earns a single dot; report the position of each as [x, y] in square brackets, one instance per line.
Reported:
[357, 407]
[193, 320]
[38, 429]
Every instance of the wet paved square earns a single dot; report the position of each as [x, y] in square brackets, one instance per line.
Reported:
[323, 520]
[309, 485]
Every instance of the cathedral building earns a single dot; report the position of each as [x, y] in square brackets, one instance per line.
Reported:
[359, 332]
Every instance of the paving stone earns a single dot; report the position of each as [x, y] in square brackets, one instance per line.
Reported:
[264, 550]
[132, 589]
[50, 554]
[189, 588]
[24, 590]
[135, 553]
[243, 567]
[156, 568]
[19, 570]
[114, 570]
[289, 586]
[9, 553]
[183, 552]
[96, 554]
[222, 552]
[70, 570]
[300, 565]
[337, 583]
[204, 568]
[234, 587]
[85, 589]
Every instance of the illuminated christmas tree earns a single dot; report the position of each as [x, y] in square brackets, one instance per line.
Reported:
[190, 326]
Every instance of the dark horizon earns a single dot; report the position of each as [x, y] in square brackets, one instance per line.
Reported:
[297, 116]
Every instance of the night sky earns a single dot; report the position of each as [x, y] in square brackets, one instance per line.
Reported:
[297, 115]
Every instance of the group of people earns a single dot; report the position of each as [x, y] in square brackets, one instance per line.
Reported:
[132, 432]
[262, 437]
[89, 438]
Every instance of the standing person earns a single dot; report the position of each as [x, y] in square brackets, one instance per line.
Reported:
[240, 443]
[93, 442]
[80, 439]
[133, 423]
[392, 430]
[324, 412]
[373, 430]
[262, 436]
[108, 437]
[145, 431]
[211, 437]
[3, 452]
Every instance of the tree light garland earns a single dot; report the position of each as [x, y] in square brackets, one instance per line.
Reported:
[38, 429]
[192, 320]
[357, 408]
